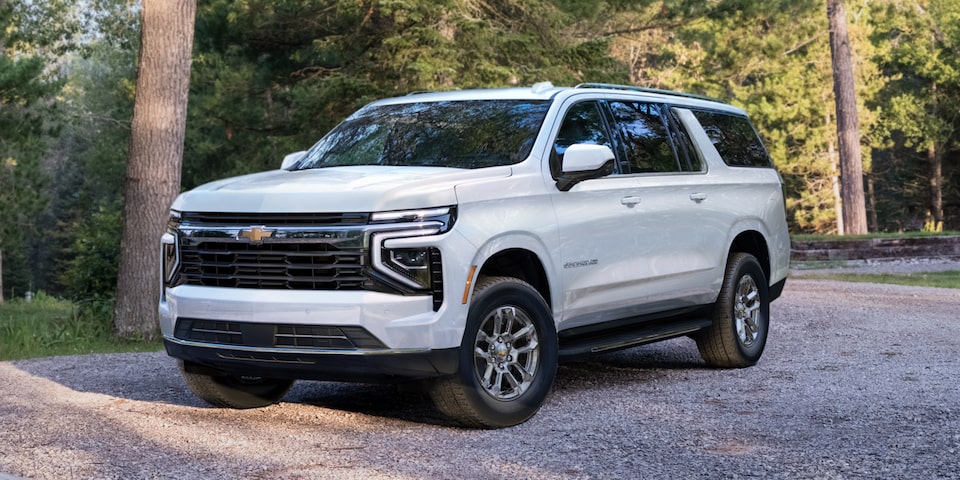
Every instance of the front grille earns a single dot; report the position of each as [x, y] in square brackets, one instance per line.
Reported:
[307, 266]
[275, 335]
[291, 251]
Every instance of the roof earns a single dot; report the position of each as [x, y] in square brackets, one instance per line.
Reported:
[547, 91]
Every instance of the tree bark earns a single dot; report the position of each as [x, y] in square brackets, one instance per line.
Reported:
[156, 153]
[935, 157]
[848, 128]
[872, 204]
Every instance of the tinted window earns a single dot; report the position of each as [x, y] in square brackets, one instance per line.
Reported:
[689, 157]
[735, 139]
[457, 134]
[582, 124]
[644, 134]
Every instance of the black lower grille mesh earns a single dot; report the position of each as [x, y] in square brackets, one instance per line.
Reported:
[275, 335]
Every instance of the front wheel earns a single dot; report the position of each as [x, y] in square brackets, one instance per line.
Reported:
[741, 316]
[508, 357]
[235, 391]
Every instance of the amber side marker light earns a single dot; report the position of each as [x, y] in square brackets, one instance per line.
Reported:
[466, 289]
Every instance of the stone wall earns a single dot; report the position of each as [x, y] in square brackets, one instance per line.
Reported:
[876, 249]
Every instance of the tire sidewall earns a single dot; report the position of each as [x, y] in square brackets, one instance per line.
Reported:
[748, 265]
[515, 293]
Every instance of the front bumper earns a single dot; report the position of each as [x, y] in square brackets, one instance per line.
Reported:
[400, 337]
[332, 365]
[399, 322]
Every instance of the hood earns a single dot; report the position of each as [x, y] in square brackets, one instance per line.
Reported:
[334, 189]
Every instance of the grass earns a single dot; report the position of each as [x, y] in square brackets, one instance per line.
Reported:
[49, 326]
[948, 279]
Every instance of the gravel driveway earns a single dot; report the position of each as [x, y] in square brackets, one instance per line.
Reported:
[858, 381]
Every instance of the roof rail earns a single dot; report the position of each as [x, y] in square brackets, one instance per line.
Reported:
[646, 90]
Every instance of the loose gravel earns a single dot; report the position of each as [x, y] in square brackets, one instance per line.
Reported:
[858, 381]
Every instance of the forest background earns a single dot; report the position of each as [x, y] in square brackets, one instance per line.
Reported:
[270, 77]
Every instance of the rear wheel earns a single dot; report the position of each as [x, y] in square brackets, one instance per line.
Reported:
[741, 317]
[235, 391]
[508, 357]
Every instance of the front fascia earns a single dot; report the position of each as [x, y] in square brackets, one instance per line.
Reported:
[401, 322]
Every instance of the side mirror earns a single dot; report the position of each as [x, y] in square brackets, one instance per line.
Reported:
[291, 160]
[584, 162]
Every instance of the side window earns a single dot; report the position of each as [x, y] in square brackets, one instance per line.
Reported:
[735, 139]
[690, 160]
[582, 124]
[644, 133]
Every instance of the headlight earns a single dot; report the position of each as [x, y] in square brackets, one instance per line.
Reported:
[396, 253]
[442, 218]
[169, 253]
[412, 264]
[170, 258]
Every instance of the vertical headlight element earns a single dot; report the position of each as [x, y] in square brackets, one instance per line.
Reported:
[170, 258]
[169, 253]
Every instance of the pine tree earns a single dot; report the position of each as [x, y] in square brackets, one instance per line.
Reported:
[156, 151]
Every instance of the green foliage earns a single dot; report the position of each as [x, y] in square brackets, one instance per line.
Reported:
[91, 275]
[50, 326]
[27, 121]
[82, 223]
[45, 28]
[271, 77]
[919, 104]
[949, 279]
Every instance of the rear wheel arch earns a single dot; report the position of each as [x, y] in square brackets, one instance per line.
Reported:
[754, 243]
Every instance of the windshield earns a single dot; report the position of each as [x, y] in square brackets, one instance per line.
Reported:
[455, 134]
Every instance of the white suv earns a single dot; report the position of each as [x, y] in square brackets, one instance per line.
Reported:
[469, 240]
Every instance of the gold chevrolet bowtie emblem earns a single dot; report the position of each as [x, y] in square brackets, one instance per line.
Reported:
[256, 234]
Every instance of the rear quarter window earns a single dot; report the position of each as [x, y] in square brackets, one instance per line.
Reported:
[735, 139]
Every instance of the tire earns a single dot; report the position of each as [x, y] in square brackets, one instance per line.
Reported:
[508, 357]
[741, 316]
[236, 392]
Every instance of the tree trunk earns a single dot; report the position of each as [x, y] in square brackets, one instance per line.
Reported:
[935, 157]
[156, 153]
[848, 128]
[872, 204]
[835, 181]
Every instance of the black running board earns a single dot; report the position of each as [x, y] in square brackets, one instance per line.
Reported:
[626, 337]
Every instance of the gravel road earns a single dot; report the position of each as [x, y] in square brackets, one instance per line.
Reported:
[858, 381]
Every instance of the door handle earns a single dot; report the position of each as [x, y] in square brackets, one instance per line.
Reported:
[698, 197]
[630, 201]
